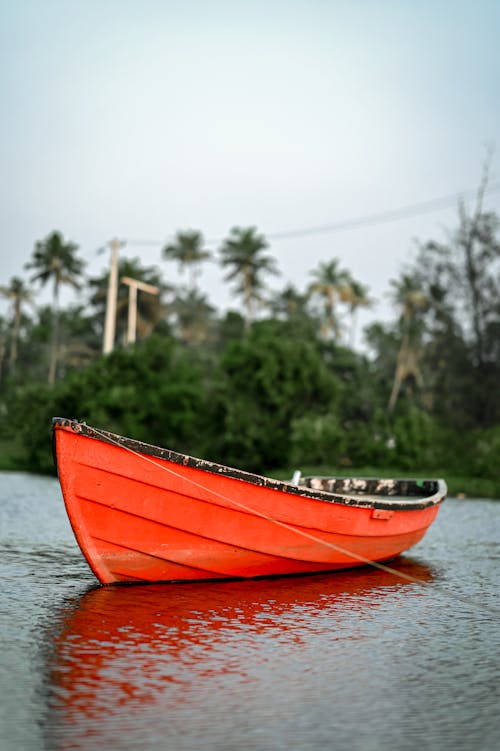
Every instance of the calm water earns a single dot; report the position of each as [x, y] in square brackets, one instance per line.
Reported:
[359, 660]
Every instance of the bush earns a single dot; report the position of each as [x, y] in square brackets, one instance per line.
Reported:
[485, 453]
[265, 382]
[152, 392]
[418, 441]
[317, 439]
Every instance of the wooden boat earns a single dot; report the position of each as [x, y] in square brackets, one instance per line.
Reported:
[143, 513]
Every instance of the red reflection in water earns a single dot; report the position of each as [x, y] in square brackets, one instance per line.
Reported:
[124, 648]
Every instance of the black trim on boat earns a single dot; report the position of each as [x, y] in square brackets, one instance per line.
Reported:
[417, 494]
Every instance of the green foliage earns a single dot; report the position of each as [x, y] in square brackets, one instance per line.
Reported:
[194, 317]
[54, 260]
[329, 286]
[275, 392]
[152, 392]
[231, 328]
[485, 451]
[369, 442]
[417, 440]
[242, 253]
[317, 439]
[462, 285]
[189, 253]
[27, 420]
[265, 381]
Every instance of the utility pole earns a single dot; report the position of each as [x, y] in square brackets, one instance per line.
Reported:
[133, 286]
[110, 322]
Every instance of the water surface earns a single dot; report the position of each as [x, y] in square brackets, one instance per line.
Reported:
[349, 660]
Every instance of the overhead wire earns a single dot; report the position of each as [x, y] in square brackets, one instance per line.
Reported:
[383, 217]
[368, 220]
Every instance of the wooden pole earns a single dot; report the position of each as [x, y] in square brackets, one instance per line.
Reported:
[132, 314]
[110, 321]
[134, 285]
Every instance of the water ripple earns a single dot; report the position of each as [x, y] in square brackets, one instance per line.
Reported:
[354, 660]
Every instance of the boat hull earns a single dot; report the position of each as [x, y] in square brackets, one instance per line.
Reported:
[143, 514]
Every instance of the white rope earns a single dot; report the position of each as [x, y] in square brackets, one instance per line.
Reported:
[356, 556]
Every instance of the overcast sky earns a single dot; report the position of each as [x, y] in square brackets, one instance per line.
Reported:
[137, 118]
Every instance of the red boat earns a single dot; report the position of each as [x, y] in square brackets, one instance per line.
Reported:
[143, 513]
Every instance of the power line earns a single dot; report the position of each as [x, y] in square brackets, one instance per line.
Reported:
[384, 217]
[368, 220]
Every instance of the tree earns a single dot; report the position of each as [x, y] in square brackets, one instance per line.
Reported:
[242, 253]
[409, 297]
[3, 343]
[153, 391]
[477, 243]
[291, 305]
[356, 296]
[18, 294]
[384, 342]
[288, 303]
[464, 273]
[330, 285]
[80, 340]
[462, 282]
[194, 317]
[265, 381]
[55, 260]
[188, 251]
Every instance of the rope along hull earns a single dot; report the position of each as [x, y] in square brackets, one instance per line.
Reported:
[142, 513]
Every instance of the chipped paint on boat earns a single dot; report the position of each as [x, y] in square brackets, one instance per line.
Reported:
[143, 513]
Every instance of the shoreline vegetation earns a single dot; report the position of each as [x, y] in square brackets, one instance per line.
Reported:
[278, 382]
[458, 486]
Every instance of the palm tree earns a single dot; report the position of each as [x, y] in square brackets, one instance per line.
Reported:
[80, 341]
[289, 303]
[18, 294]
[188, 251]
[330, 285]
[55, 260]
[356, 296]
[242, 253]
[409, 297]
[194, 317]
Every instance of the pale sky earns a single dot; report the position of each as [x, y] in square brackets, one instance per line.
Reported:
[137, 118]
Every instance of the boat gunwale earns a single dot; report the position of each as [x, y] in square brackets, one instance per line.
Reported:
[437, 487]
